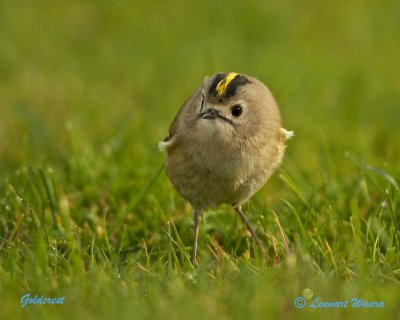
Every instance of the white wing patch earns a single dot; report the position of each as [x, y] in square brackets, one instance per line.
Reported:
[287, 134]
[163, 145]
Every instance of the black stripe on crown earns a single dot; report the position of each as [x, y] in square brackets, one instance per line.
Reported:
[230, 91]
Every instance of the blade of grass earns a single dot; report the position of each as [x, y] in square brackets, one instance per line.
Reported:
[136, 200]
[303, 233]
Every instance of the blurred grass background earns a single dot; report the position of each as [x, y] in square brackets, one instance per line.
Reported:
[88, 88]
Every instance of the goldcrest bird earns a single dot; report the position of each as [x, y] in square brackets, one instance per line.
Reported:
[224, 144]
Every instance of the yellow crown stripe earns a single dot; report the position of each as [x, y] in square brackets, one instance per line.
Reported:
[224, 83]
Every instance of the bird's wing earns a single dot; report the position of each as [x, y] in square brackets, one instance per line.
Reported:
[169, 139]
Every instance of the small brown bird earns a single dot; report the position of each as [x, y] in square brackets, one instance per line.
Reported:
[224, 144]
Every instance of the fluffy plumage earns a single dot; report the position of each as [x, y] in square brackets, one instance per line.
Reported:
[219, 155]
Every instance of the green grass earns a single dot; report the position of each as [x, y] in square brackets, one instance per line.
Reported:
[87, 89]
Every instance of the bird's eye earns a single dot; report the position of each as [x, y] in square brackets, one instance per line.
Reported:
[236, 110]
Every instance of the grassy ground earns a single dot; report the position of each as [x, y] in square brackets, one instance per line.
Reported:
[87, 89]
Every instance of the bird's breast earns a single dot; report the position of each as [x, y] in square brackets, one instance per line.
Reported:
[209, 174]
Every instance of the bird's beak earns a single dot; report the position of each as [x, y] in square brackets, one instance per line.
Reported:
[209, 114]
[206, 113]
[203, 101]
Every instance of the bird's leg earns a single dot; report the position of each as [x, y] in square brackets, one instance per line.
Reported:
[196, 215]
[238, 209]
